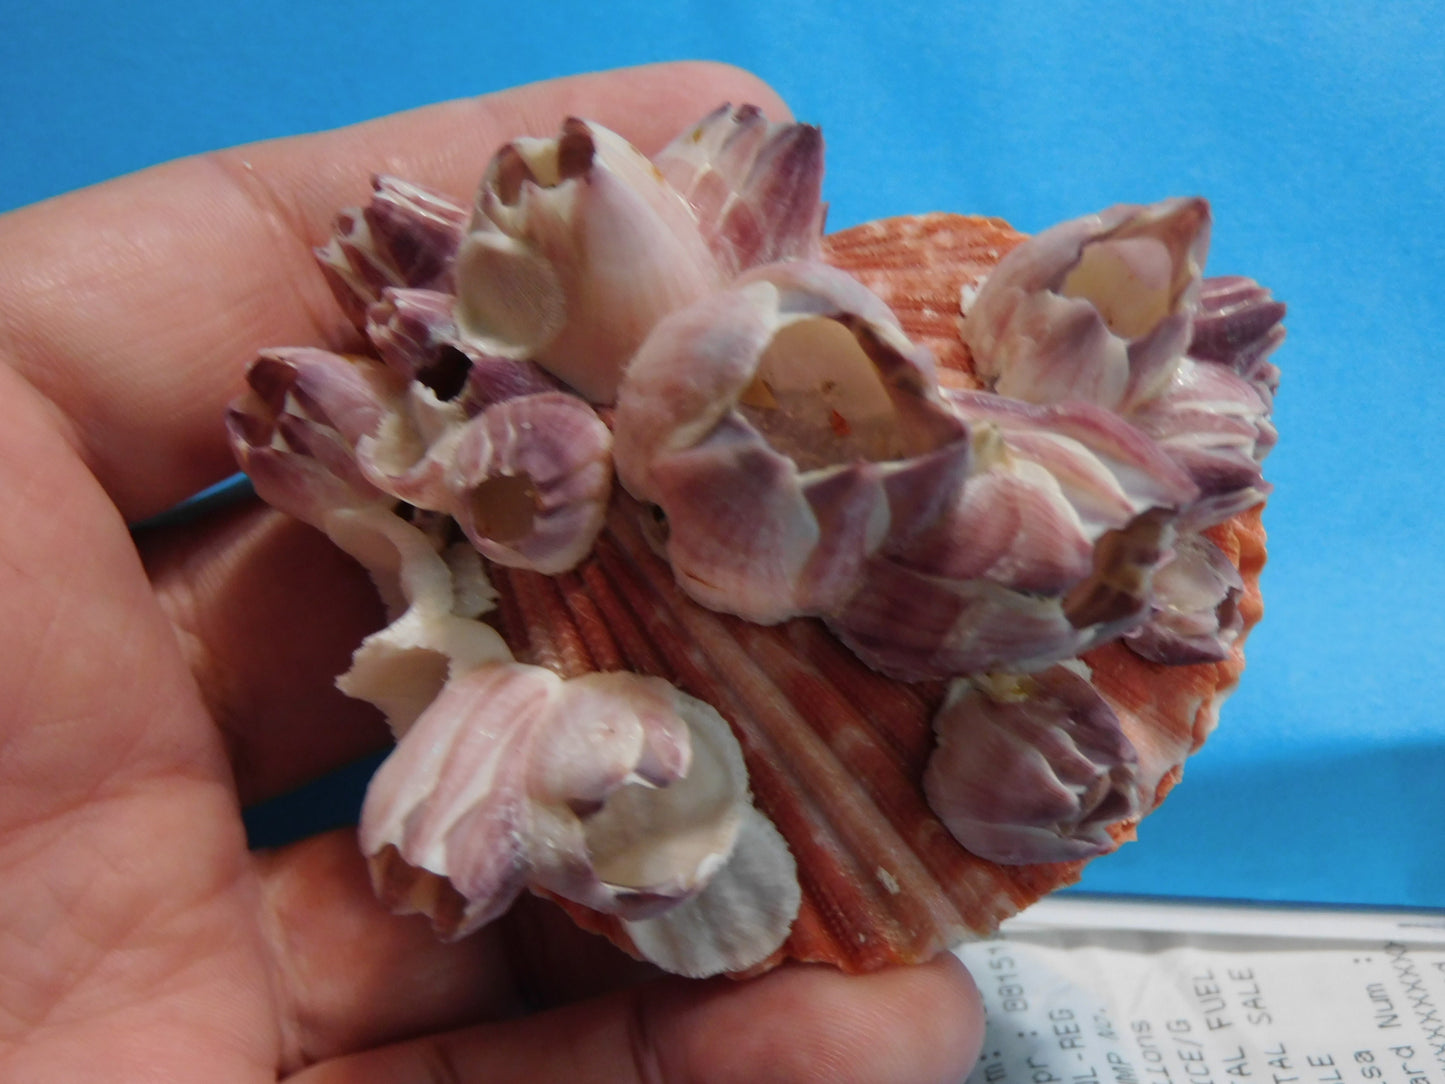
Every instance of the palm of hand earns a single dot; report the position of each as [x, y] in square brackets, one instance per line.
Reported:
[154, 688]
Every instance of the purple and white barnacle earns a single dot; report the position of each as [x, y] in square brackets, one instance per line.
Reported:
[755, 186]
[610, 789]
[1032, 768]
[1112, 309]
[1238, 325]
[528, 480]
[406, 236]
[786, 428]
[294, 431]
[1216, 426]
[1196, 616]
[1046, 548]
[577, 246]
[1098, 309]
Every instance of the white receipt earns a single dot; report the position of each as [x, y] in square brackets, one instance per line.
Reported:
[1087, 991]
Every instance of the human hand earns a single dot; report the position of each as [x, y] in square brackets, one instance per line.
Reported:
[152, 690]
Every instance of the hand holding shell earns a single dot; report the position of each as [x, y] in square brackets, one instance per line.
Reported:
[695, 524]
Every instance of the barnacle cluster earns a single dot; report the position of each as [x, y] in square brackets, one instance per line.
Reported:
[669, 326]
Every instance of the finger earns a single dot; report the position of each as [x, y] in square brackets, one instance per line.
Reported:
[96, 698]
[799, 1023]
[399, 979]
[351, 975]
[135, 305]
[267, 612]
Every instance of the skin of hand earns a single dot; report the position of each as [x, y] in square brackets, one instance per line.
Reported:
[155, 685]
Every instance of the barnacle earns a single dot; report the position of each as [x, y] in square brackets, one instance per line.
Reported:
[755, 187]
[575, 248]
[760, 594]
[613, 790]
[1098, 309]
[1032, 768]
[795, 393]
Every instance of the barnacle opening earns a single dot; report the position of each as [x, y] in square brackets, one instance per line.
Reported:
[1107, 799]
[1129, 281]
[545, 163]
[1136, 275]
[818, 398]
[666, 840]
[648, 836]
[1124, 563]
[406, 889]
[504, 508]
[447, 375]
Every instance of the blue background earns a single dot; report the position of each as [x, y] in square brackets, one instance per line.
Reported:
[1318, 133]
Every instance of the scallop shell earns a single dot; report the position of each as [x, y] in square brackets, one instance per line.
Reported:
[836, 752]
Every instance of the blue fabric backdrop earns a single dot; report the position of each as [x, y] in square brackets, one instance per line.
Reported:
[1318, 132]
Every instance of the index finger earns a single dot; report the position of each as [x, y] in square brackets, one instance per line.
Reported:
[135, 305]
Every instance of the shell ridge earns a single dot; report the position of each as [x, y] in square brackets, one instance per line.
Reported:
[538, 607]
[623, 623]
[592, 628]
[817, 922]
[768, 722]
[892, 784]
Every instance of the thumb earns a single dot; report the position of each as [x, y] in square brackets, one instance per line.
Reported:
[796, 1024]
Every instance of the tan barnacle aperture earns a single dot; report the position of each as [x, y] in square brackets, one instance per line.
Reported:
[528, 481]
[785, 428]
[612, 790]
[576, 247]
